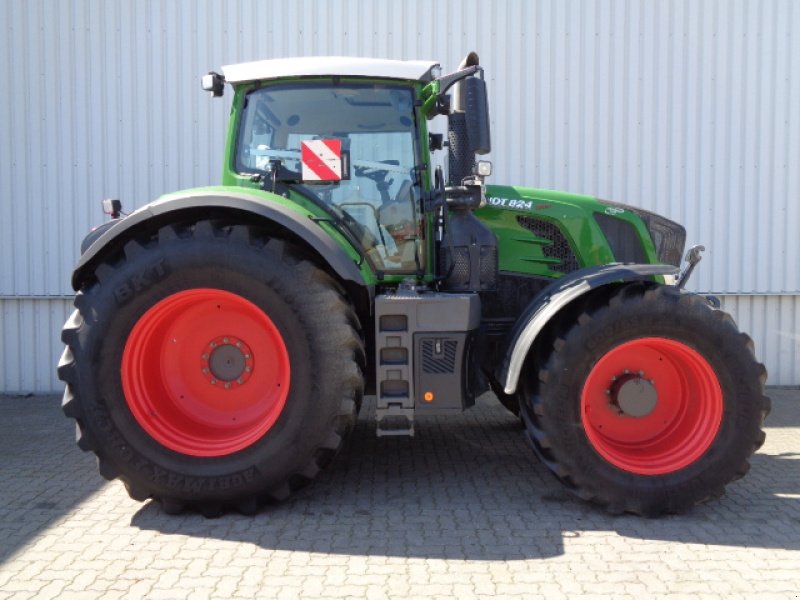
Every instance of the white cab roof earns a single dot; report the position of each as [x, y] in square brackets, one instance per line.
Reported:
[344, 66]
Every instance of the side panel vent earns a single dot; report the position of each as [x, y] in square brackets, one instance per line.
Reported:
[459, 276]
[439, 356]
[559, 248]
[489, 267]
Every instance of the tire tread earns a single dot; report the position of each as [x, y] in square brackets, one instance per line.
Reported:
[326, 299]
[536, 410]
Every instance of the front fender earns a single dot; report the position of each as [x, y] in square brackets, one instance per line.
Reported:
[207, 201]
[553, 299]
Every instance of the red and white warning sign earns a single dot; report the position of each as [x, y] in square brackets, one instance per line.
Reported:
[322, 160]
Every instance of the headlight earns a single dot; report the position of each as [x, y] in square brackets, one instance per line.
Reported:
[669, 238]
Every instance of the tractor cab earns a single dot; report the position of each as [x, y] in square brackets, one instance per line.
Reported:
[350, 137]
[358, 159]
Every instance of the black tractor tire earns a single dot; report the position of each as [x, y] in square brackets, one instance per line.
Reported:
[189, 451]
[701, 371]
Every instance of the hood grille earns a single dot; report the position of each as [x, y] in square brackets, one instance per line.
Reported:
[559, 247]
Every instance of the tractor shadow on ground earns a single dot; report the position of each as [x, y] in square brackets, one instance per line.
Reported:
[470, 488]
[44, 476]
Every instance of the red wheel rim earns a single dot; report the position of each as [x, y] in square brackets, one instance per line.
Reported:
[205, 372]
[674, 401]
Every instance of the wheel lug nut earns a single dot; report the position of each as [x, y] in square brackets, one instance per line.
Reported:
[224, 340]
[227, 386]
[213, 344]
[641, 374]
[205, 369]
[240, 381]
[213, 382]
[247, 369]
[205, 356]
[238, 344]
[627, 372]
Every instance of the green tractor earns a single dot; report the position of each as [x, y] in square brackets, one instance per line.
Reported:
[224, 337]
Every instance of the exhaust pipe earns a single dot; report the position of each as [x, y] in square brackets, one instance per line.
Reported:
[470, 60]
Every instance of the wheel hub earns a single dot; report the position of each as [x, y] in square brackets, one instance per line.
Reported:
[227, 361]
[633, 395]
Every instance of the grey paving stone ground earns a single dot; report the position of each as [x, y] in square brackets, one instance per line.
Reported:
[463, 510]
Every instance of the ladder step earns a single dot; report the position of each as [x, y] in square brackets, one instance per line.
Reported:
[394, 421]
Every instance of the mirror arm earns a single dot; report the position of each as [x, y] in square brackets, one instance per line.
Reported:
[434, 93]
[447, 81]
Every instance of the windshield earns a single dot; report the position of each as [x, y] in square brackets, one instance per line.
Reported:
[375, 126]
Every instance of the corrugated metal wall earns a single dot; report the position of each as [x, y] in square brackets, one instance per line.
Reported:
[688, 108]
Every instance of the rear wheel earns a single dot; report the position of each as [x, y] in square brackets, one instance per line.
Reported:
[191, 368]
[648, 404]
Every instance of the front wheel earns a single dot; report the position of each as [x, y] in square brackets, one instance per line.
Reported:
[212, 367]
[649, 403]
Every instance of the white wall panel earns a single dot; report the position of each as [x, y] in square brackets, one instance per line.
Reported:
[30, 345]
[774, 324]
[691, 109]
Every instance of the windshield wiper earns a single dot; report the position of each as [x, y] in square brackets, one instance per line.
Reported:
[283, 180]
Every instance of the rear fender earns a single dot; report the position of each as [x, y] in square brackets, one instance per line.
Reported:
[554, 299]
[116, 233]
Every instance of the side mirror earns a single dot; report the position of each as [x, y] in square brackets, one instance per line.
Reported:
[476, 107]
